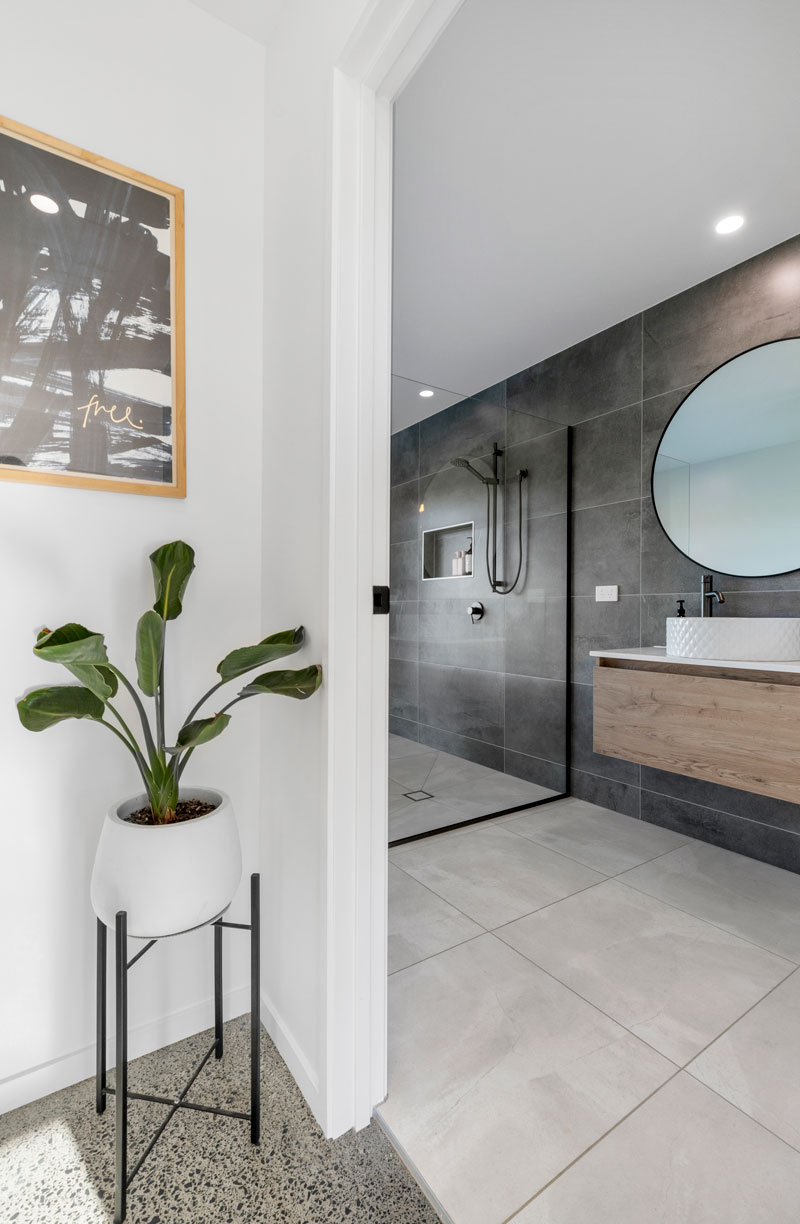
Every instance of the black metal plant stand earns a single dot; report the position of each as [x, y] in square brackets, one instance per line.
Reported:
[122, 1093]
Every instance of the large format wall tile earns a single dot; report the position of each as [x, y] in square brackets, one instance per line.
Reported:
[403, 689]
[605, 792]
[748, 837]
[475, 750]
[405, 569]
[605, 548]
[535, 716]
[761, 808]
[447, 635]
[546, 490]
[404, 630]
[607, 458]
[601, 626]
[463, 700]
[536, 636]
[595, 376]
[690, 334]
[405, 455]
[404, 516]
[550, 774]
[467, 429]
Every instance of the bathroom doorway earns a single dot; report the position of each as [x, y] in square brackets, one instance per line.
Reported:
[479, 633]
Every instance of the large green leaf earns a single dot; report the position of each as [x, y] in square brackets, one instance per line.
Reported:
[71, 644]
[99, 680]
[45, 707]
[202, 730]
[172, 567]
[300, 684]
[149, 652]
[277, 646]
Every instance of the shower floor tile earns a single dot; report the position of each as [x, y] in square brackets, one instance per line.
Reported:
[461, 790]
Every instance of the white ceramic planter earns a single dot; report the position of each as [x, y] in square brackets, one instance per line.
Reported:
[169, 878]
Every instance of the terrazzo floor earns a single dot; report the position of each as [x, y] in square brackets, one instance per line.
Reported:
[57, 1155]
[429, 790]
[593, 1020]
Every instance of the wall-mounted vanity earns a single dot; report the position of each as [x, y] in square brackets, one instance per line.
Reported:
[733, 722]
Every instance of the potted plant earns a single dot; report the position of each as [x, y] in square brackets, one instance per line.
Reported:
[170, 855]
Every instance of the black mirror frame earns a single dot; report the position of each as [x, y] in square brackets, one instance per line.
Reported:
[712, 568]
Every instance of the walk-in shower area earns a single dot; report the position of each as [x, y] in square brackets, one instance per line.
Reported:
[479, 716]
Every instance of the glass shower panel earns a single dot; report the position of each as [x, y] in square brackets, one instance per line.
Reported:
[478, 670]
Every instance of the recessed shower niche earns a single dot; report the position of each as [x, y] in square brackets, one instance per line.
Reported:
[447, 552]
[478, 706]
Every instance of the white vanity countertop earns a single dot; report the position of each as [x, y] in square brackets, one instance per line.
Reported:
[650, 654]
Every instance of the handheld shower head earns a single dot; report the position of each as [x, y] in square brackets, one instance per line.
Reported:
[465, 463]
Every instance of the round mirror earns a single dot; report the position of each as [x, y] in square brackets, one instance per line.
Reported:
[726, 477]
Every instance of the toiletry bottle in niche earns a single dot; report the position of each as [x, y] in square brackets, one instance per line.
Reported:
[460, 563]
[468, 556]
[454, 568]
[681, 609]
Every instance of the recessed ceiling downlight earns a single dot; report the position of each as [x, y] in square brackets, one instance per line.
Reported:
[43, 203]
[729, 225]
[426, 394]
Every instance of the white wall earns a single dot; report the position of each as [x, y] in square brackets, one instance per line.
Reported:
[168, 90]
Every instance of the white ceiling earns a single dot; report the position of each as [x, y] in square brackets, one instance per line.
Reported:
[255, 18]
[560, 166]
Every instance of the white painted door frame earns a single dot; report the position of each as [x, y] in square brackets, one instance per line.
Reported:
[392, 39]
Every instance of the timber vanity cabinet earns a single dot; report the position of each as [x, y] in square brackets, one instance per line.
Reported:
[734, 723]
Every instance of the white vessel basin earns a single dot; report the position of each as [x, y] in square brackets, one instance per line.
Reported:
[734, 637]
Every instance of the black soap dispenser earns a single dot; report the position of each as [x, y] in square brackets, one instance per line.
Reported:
[681, 610]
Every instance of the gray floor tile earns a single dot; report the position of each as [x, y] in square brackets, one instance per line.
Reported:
[493, 875]
[756, 1064]
[420, 923]
[499, 1076]
[671, 979]
[754, 900]
[606, 841]
[684, 1157]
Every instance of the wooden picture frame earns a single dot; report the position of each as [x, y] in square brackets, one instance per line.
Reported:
[92, 346]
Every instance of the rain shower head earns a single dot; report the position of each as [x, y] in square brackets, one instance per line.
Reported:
[465, 463]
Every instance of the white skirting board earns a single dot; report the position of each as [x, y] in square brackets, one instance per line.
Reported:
[41, 1080]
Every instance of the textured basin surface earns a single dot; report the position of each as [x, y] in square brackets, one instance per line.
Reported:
[734, 637]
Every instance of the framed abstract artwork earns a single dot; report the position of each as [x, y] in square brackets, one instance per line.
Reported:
[91, 320]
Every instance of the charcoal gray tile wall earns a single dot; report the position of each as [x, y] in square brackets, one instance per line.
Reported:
[618, 390]
[494, 692]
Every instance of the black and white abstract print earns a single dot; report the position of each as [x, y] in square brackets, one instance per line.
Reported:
[85, 319]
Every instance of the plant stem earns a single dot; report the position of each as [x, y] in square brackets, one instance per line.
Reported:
[160, 692]
[204, 698]
[132, 744]
[183, 764]
[121, 737]
[148, 735]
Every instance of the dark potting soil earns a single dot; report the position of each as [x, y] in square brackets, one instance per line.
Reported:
[187, 809]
